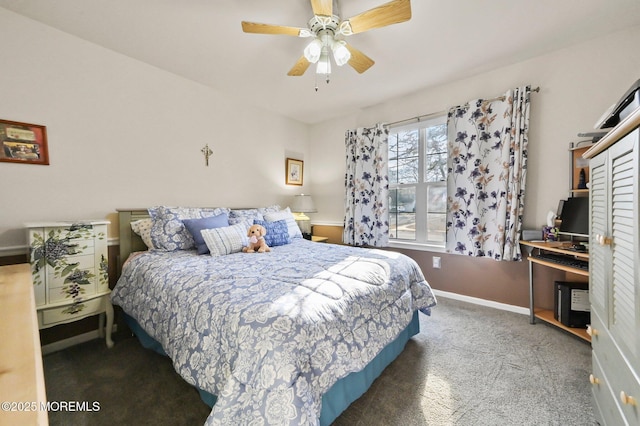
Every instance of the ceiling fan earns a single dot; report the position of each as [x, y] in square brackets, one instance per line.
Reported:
[328, 32]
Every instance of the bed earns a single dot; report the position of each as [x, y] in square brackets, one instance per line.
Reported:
[292, 336]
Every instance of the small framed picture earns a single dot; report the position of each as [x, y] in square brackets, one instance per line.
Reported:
[294, 171]
[23, 143]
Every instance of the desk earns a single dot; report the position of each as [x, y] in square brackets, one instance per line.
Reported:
[21, 373]
[559, 247]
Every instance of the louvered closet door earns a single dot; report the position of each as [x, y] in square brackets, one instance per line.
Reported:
[599, 255]
[624, 311]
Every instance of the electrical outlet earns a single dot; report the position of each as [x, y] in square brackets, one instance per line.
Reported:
[436, 262]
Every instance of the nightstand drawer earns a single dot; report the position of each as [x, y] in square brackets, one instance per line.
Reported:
[81, 235]
[69, 291]
[71, 312]
[81, 245]
[84, 263]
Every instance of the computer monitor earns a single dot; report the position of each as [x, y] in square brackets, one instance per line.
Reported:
[575, 217]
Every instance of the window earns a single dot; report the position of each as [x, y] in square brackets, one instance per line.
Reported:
[417, 182]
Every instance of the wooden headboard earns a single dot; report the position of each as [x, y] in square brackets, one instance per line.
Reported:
[129, 241]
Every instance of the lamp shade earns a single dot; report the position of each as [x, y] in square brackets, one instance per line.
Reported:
[340, 52]
[302, 204]
[324, 63]
[313, 50]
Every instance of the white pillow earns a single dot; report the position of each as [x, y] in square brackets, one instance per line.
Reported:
[294, 229]
[142, 227]
[225, 240]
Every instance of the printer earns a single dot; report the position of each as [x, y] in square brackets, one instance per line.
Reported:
[621, 109]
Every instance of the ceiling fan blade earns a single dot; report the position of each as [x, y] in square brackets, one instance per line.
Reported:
[300, 67]
[322, 7]
[394, 12]
[256, 28]
[359, 61]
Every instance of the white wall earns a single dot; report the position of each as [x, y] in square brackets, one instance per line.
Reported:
[577, 85]
[123, 134]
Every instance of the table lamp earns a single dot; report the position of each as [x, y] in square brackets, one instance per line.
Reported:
[303, 204]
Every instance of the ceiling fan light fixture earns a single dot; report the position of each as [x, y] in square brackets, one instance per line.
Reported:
[327, 31]
[340, 52]
[313, 51]
[324, 64]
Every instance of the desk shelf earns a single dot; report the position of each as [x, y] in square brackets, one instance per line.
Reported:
[547, 316]
[559, 267]
[562, 248]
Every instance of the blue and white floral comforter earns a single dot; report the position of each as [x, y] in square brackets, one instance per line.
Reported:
[269, 333]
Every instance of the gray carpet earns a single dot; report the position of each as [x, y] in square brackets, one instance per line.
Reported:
[470, 365]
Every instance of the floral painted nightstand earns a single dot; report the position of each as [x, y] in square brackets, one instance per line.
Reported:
[69, 266]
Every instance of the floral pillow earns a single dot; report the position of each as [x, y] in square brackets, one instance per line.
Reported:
[142, 227]
[169, 233]
[246, 216]
[277, 232]
[294, 229]
[226, 240]
[271, 209]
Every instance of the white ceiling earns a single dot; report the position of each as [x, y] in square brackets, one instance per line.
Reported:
[444, 41]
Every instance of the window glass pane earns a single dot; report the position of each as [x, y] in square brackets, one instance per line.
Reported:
[436, 212]
[417, 171]
[402, 217]
[436, 138]
[393, 172]
[393, 158]
[404, 157]
[393, 212]
[408, 170]
[436, 227]
[437, 199]
[408, 143]
[436, 153]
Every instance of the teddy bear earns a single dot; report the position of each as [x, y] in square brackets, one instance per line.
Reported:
[257, 243]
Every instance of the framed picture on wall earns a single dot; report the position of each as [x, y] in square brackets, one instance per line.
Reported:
[23, 143]
[294, 171]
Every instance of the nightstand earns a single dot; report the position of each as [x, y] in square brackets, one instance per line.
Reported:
[69, 267]
[317, 239]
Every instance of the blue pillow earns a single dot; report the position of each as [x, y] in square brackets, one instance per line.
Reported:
[277, 232]
[168, 232]
[195, 226]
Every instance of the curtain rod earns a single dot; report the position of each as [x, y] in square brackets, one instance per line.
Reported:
[433, 114]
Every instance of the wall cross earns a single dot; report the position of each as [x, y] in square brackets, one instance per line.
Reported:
[206, 151]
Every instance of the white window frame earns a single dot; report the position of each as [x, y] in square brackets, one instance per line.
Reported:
[421, 188]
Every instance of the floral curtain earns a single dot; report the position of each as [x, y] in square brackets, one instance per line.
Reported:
[487, 173]
[367, 187]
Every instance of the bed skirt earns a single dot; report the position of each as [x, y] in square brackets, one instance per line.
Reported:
[342, 393]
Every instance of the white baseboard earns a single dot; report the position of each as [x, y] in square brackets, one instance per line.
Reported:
[13, 251]
[483, 302]
[75, 340]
